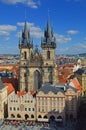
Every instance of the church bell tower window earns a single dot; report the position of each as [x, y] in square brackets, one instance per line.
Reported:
[25, 55]
[48, 54]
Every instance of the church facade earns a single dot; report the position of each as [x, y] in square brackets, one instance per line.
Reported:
[36, 68]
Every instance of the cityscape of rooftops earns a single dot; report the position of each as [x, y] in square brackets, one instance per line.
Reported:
[67, 18]
[42, 65]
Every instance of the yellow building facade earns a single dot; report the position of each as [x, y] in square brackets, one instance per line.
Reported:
[52, 102]
[21, 107]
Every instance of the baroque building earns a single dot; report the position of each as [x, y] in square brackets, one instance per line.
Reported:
[56, 103]
[36, 68]
[21, 106]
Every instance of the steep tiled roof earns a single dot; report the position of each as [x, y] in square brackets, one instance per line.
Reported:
[47, 87]
[75, 83]
[21, 93]
[13, 81]
[10, 87]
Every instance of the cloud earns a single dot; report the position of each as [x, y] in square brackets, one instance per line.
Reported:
[72, 32]
[62, 38]
[35, 31]
[6, 29]
[9, 49]
[75, 49]
[78, 48]
[31, 3]
[4, 33]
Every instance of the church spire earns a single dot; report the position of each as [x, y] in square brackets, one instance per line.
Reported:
[25, 34]
[48, 29]
[26, 41]
[49, 39]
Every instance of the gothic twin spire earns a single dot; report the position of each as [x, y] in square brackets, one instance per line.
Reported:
[48, 34]
[25, 34]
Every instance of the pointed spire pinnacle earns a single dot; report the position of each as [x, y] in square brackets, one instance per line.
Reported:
[25, 34]
[48, 28]
[48, 40]
[26, 41]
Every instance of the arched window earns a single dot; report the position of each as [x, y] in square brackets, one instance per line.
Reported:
[25, 55]
[52, 118]
[37, 80]
[12, 116]
[39, 116]
[18, 116]
[48, 54]
[45, 117]
[26, 116]
[32, 116]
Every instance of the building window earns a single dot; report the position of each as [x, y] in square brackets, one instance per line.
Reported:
[25, 109]
[39, 101]
[14, 108]
[32, 116]
[48, 54]
[32, 109]
[18, 116]
[39, 116]
[38, 109]
[46, 103]
[51, 102]
[10, 108]
[46, 109]
[54, 103]
[25, 55]
[12, 116]
[42, 101]
[29, 109]
[42, 109]
[18, 109]
[45, 117]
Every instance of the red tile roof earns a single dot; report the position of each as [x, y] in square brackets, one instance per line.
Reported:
[76, 83]
[10, 87]
[21, 93]
[32, 92]
[13, 81]
[63, 74]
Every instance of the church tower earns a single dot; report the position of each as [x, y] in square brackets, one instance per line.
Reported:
[48, 45]
[25, 47]
[36, 68]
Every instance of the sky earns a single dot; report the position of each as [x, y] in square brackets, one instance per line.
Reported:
[67, 18]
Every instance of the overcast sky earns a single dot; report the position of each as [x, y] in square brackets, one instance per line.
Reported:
[67, 18]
